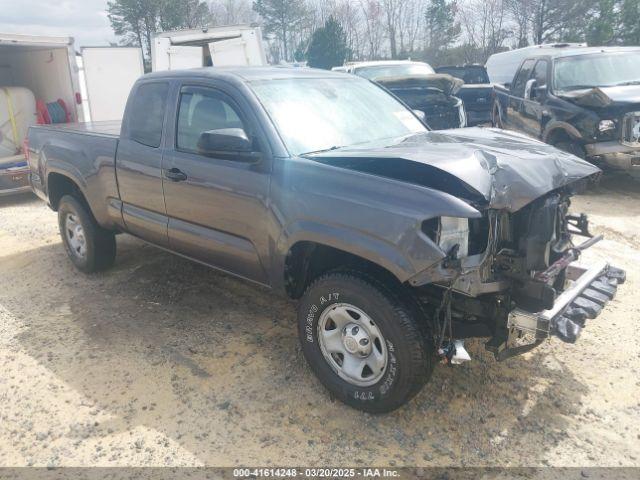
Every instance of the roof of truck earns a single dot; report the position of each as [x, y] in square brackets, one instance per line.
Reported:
[247, 73]
[573, 51]
[502, 66]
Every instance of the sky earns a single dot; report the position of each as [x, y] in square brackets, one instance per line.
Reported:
[84, 20]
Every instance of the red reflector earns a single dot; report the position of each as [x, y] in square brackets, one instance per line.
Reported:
[25, 148]
[78, 98]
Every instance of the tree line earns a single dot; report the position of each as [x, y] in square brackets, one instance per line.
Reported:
[327, 33]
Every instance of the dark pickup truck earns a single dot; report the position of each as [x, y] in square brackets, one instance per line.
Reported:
[398, 242]
[476, 93]
[584, 100]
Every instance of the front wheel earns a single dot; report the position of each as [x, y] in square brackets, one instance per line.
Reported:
[363, 343]
[90, 247]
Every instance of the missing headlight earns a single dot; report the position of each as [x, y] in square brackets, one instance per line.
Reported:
[447, 232]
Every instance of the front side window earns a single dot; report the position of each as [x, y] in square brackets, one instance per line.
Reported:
[469, 75]
[313, 114]
[201, 111]
[146, 113]
[521, 80]
[540, 73]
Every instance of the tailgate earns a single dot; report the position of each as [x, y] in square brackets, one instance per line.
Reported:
[476, 97]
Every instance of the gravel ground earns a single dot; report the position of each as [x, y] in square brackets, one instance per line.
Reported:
[160, 361]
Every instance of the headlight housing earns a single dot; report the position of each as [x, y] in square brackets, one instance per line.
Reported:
[447, 232]
[462, 114]
[606, 126]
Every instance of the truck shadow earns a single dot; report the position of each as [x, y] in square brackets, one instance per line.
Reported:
[212, 365]
[18, 199]
[618, 183]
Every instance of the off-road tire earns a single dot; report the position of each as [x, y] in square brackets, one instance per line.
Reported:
[100, 243]
[410, 351]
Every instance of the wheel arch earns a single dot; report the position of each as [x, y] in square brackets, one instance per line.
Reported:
[555, 131]
[309, 255]
[61, 183]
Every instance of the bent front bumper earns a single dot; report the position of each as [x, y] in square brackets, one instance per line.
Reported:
[590, 290]
[616, 155]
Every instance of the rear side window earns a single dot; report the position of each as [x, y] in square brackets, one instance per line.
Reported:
[521, 80]
[146, 114]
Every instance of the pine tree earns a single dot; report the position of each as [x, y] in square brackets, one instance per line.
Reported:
[442, 27]
[328, 46]
[602, 24]
[630, 22]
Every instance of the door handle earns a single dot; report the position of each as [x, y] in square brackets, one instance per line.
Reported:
[175, 175]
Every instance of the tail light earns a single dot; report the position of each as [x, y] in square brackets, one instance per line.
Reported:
[25, 149]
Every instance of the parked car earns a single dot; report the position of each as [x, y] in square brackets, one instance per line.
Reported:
[584, 100]
[417, 85]
[397, 242]
[476, 93]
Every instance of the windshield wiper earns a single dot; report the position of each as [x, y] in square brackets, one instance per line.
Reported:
[578, 87]
[335, 147]
[632, 82]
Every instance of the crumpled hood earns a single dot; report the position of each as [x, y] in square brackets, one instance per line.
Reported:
[604, 96]
[447, 84]
[505, 170]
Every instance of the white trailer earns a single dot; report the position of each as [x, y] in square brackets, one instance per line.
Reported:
[44, 80]
[235, 45]
[48, 66]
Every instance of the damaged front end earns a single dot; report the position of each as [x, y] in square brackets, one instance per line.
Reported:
[509, 261]
[514, 277]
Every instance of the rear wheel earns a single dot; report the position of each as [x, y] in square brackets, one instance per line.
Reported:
[363, 343]
[90, 247]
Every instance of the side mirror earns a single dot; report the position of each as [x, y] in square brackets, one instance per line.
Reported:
[227, 143]
[421, 115]
[529, 89]
[540, 91]
[507, 85]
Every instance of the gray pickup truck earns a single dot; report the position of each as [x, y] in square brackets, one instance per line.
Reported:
[398, 242]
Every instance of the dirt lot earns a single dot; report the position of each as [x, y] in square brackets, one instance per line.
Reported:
[163, 362]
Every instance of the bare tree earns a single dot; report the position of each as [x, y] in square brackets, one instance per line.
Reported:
[485, 26]
[521, 12]
[232, 12]
[374, 29]
[553, 19]
[350, 17]
[411, 25]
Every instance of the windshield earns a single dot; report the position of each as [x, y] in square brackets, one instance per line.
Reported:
[470, 75]
[398, 70]
[599, 70]
[313, 114]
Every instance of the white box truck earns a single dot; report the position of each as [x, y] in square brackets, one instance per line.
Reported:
[234, 45]
[42, 81]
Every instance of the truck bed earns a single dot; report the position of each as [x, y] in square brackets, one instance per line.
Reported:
[83, 152]
[110, 128]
